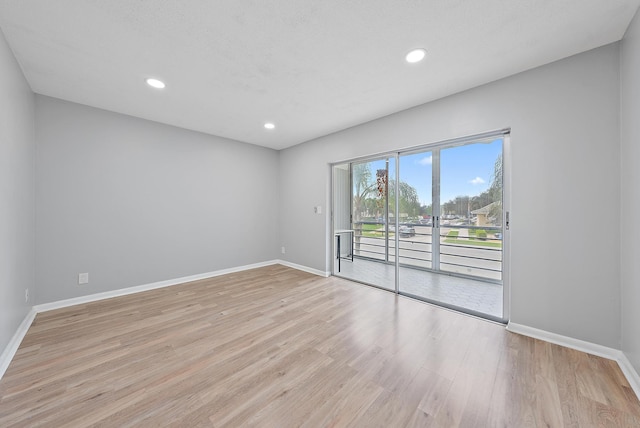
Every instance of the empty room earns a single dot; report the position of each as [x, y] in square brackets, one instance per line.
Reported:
[319, 213]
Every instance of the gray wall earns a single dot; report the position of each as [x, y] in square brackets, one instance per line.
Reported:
[630, 192]
[565, 181]
[133, 202]
[17, 194]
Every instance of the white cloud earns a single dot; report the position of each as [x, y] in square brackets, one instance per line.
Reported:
[477, 181]
[426, 160]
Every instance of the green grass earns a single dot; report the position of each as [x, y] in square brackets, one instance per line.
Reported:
[370, 227]
[472, 242]
[373, 231]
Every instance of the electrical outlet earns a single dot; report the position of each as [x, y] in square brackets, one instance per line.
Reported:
[282, 250]
[83, 278]
[318, 209]
[26, 295]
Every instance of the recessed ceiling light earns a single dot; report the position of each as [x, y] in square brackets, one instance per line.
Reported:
[415, 55]
[155, 83]
[269, 125]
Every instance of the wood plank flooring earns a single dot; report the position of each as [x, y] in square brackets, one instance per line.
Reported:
[276, 347]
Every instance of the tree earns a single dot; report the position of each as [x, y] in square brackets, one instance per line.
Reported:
[370, 194]
[461, 205]
[363, 186]
[408, 201]
[426, 210]
[495, 191]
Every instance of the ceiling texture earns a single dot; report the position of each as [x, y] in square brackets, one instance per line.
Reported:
[312, 67]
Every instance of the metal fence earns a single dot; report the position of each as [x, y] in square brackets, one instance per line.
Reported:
[464, 249]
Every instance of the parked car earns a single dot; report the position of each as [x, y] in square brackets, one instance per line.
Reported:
[407, 232]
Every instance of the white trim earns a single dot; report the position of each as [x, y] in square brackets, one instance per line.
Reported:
[580, 345]
[161, 284]
[303, 268]
[591, 348]
[13, 345]
[630, 373]
[146, 287]
[569, 342]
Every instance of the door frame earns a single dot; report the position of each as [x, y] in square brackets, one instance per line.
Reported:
[505, 134]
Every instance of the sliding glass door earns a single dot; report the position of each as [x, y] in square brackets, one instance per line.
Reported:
[461, 187]
[428, 223]
[471, 211]
[373, 218]
[415, 203]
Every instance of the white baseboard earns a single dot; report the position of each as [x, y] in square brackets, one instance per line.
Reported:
[14, 343]
[12, 347]
[146, 287]
[580, 345]
[566, 341]
[303, 268]
[630, 373]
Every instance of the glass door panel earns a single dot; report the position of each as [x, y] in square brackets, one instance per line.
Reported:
[427, 224]
[418, 254]
[373, 239]
[471, 210]
[459, 189]
[416, 210]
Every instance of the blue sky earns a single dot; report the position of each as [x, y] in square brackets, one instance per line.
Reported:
[465, 170]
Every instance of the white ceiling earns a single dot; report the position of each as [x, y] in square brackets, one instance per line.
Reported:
[312, 67]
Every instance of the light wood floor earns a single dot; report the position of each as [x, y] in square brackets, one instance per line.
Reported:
[275, 347]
